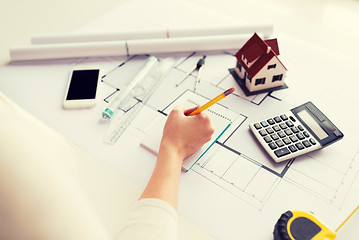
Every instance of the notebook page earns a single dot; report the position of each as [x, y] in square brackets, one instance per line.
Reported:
[221, 118]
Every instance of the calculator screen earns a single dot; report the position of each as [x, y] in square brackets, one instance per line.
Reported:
[312, 124]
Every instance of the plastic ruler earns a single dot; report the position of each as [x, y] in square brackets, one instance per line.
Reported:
[136, 99]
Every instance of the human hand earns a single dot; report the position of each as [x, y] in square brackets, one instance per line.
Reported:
[186, 134]
[182, 136]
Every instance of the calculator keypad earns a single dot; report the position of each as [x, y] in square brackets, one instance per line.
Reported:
[284, 136]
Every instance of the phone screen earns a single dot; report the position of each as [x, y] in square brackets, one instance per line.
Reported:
[83, 84]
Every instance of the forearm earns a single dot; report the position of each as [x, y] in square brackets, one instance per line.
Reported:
[164, 181]
[182, 136]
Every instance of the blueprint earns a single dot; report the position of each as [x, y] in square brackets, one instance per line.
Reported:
[234, 188]
[236, 167]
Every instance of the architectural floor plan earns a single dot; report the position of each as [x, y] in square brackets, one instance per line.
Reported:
[236, 165]
[234, 187]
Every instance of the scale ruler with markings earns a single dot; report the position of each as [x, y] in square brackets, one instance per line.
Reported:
[136, 99]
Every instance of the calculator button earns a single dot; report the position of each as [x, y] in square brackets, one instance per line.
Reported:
[274, 136]
[271, 121]
[281, 152]
[284, 117]
[279, 143]
[306, 143]
[281, 134]
[272, 145]
[299, 146]
[286, 141]
[276, 128]
[312, 141]
[292, 148]
[267, 139]
[288, 132]
[277, 119]
[306, 134]
[283, 126]
[300, 127]
[293, 138]
[300, 136]
[257, 126]
[264, 124]
[269, 130]
[289, 124]
[262, 133]
[292, 118]
[294, 129]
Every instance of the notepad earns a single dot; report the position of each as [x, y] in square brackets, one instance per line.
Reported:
[221, 118]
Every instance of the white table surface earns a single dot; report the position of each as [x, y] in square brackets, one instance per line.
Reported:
[332, 24]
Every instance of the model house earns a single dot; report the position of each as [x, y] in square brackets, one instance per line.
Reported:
[258, 67]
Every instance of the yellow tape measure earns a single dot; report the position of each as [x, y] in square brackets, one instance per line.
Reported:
[300, 225]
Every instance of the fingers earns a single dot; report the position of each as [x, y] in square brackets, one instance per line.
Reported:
[205, 120]
[180, 108]
[188, 111]
[187, 134]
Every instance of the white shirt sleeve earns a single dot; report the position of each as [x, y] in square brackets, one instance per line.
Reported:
[150, 219]
[39, 198]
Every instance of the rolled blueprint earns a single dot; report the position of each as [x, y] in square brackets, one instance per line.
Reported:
[264, 29]
[127, 48]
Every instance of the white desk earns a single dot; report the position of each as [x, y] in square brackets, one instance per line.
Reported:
[327, 23]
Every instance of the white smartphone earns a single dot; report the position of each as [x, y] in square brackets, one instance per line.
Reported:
[82, 87]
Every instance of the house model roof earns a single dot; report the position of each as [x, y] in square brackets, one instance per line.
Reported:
[260, 50]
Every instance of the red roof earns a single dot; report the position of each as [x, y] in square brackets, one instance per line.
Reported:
[273, 44]
[256, 48]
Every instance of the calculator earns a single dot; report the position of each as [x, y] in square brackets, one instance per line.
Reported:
[299, 131]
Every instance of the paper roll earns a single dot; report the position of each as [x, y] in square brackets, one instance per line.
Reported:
[72, 50]
[130, 47]
[264, 29]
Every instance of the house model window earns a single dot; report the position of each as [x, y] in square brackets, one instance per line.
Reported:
[258, 60]
[260, 81]
[271, 66]
[277, 78]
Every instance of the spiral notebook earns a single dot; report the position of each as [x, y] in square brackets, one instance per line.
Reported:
[221, 118]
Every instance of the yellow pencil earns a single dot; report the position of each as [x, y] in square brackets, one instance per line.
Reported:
[211, 102]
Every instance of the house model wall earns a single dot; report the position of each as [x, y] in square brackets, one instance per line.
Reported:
[258, 67]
